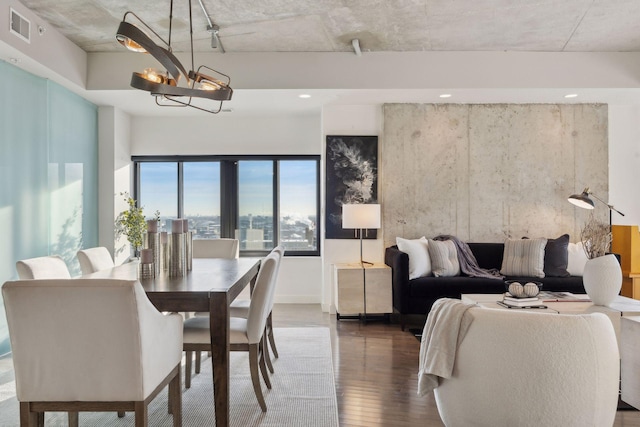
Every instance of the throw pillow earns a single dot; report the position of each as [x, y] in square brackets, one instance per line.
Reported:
[419, 262]
[577, 259]
[444, 258]
[556, 257]
[523, 257]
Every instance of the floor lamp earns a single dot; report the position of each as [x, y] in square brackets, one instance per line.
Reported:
[361, 217]
[583, 200]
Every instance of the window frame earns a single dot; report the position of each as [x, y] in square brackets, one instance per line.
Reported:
[229, 191]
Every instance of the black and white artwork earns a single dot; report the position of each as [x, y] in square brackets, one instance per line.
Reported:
[352, 177]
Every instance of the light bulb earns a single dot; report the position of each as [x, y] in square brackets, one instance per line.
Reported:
[152, 75]
[130, 44]
[209, 85]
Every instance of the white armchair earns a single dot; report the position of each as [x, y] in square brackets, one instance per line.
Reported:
[517, 368]
[130, 351]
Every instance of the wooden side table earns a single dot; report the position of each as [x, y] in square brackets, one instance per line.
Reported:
[349, 284]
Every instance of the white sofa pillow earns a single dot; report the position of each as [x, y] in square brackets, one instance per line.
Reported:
[577, 259]
[444, 258]
[523, 257]
[419, 261]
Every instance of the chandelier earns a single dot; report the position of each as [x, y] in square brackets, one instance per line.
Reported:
[174, 86]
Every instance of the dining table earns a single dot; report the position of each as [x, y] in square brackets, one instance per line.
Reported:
[210, 286]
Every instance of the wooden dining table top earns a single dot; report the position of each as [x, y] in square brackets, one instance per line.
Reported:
[208, 275]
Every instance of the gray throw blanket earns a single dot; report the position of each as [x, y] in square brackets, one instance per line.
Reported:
[446, 326]
[468, 262]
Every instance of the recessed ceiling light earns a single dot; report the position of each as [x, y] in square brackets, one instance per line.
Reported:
[571, 95]
[445, 95]
[304, 96]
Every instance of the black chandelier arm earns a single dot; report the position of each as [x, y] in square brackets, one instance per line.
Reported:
[189, 104]
[139, 82]
[168, 44]
[162, 55]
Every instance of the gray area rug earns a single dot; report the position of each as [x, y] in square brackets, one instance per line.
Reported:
[303, 392]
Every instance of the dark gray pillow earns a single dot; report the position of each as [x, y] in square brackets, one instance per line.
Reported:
[556, 257]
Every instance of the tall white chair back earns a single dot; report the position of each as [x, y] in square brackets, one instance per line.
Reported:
[216, 248]
[46, 267]
[94, 259]
[261, 297]
[128, 348]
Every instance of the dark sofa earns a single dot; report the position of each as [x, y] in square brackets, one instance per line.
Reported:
[418, 295]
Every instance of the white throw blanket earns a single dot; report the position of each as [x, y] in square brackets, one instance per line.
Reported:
[445, 328]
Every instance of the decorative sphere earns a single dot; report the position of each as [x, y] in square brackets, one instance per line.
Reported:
[531, 289]
[517, 290]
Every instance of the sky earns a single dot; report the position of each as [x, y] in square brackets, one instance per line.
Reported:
[159, 188]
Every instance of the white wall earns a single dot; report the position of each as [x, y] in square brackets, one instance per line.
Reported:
[300, 278]
[225, 134]
[624, 163]
[50, 54]
[349, 120]
[114, 177]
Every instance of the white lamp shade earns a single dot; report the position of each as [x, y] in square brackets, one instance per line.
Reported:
[361, 216]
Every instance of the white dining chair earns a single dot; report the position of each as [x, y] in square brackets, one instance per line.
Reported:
[94, 259]
[46, 267]
[209, 248]
[216, 248]
[245, 334]
[130, 351]
[240, 308]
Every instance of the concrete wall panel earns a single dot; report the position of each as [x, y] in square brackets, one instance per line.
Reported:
[488, 172]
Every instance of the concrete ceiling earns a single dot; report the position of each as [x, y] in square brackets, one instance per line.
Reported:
[380, 25]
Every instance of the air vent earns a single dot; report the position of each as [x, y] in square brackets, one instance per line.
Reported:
[20, 26]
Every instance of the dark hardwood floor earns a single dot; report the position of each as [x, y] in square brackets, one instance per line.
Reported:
[376, 371]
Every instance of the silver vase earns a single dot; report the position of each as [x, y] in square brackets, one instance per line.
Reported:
[189, 254]
[152, 241]
[146, 271]
[177, 255]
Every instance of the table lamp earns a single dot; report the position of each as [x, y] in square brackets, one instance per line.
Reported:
[361, 217]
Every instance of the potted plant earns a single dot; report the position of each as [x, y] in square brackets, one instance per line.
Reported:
[602, 277]
[131, 223]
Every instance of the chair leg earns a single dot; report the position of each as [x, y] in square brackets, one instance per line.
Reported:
[198, 357]
[253, 366]
[263, 366]
[272, 340]
[187, 369]
[73, 419]
[175, 399]
[267, 356]
[28, 418]
[141, 414]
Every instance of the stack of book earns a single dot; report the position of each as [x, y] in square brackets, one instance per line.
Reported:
[513, 302]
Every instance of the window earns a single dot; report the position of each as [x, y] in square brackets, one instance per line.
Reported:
[298, 205]
[202, 198]
[255, 205]
[158, 191]
[262, 201]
